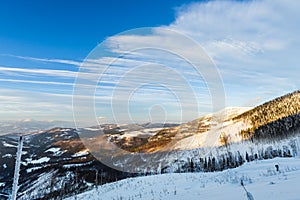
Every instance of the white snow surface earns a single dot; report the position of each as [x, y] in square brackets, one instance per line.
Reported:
[5, 144]
[53, 149]
[260, 179]
[92, 129]
[41, 160]
[146, 131]
[81, 153]
[7, 155]
[56, 151]
[225, 126]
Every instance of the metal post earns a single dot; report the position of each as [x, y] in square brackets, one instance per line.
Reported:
[96, 177]
[17, 169]
[101, 177]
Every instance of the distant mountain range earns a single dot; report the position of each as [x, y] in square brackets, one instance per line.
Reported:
[30, 125]
[55, 163]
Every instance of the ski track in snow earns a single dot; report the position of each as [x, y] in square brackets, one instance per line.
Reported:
[260, 178]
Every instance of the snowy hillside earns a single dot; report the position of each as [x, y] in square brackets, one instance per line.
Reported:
[273, 120]
[60, 162]
[53, 163]
[260, 178]
[195, 134]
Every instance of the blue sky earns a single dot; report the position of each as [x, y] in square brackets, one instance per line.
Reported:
[253, 44]
[71, 29]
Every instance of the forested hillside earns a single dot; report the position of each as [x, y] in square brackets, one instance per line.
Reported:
[263, 118]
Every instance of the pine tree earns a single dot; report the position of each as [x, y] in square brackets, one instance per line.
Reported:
[247, 157]
[192, 165]
[213, 164]
[205, 165]
[209, 164]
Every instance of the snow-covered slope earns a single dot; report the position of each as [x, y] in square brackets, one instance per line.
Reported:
[51, 160]
[275, 119]
[55, 163]
[260, 178]
[226, 126]
[202, 132]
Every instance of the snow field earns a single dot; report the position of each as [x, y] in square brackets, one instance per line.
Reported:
[260, 178]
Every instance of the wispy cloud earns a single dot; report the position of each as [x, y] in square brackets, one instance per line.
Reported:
[253, 43]
[36, 82]
[47, 60]
[46, 72]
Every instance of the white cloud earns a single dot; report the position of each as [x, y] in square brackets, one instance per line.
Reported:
[36, 82]
[255, 45]
[47, 72]
[46, 60]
